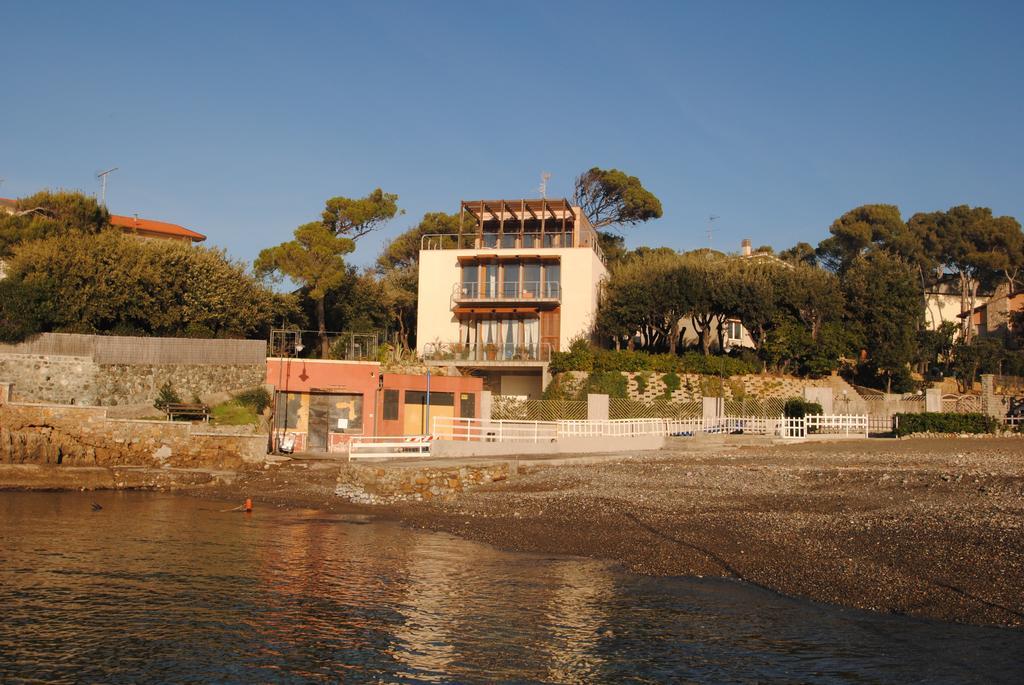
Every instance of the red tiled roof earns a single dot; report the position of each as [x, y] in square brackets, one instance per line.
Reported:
[159, 227]
[8, 203]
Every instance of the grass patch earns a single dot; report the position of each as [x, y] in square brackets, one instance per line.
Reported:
[234, 413]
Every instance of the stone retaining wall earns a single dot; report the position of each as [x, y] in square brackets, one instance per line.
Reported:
[694, 387]
[369, 484]
[81, 381]
[84, 436]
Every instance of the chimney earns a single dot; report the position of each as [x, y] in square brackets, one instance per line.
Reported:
[746, 247]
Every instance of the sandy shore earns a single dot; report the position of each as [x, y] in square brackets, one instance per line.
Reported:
[931, 528]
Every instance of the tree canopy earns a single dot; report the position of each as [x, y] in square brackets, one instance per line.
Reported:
[48, 213]
[355, 217]
[609, 197]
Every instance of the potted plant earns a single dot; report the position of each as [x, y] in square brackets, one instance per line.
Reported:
[491, 350]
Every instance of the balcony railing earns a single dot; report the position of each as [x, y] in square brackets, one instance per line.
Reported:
[488, 352]
[509, 241]
[549, 291]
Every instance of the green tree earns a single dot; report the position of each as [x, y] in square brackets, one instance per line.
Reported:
[355, 217]
[975, 247]
[313, 260]
[24, 310]
[862, 229]
[884, 307]
[113, 283]
[609, 197]
[801, 253]
[48, 213]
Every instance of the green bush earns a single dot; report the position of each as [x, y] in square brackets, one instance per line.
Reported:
[167, 395]
[944, 422]
[611, 383]
[620, 360]
[257, 399]
[579, 357]
[797, 408]
[672, 383]
[641, 383]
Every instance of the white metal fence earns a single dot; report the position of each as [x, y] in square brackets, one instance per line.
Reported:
[388, 446]
[482, 430]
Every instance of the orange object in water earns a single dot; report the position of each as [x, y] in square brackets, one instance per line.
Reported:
[248, 505]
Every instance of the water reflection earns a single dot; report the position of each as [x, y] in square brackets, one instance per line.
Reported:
[164, 588]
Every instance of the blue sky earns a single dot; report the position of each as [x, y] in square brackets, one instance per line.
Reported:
[239, 119]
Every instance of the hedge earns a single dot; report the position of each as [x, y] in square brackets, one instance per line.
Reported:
[944, 422]
[580, 357]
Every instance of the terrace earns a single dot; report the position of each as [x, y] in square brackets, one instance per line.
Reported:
[516, 225]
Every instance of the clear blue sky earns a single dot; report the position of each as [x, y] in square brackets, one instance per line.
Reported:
[239, 119]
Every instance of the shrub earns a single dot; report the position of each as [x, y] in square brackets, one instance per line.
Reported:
[944, 422]
[611, 383]
[797, 408]
[579, 357]
[167, 395]
[672, 383]
[257, 399]
[621, 360]
[641, 383]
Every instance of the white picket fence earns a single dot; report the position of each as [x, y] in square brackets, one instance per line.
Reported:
[454, 428]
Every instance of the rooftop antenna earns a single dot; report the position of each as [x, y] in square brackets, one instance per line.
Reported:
[102, 176]
[711, 220]
[544, 176]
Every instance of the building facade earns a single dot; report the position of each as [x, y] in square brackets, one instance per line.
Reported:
[519, 281]
[321, 403]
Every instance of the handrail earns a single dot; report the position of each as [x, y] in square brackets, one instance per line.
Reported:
[528, 290]
[511, 241]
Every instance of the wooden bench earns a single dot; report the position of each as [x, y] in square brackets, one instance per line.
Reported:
[193, 412]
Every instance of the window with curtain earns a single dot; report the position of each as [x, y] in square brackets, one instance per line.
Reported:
[531, 336]
[490, 280]
[510, 333]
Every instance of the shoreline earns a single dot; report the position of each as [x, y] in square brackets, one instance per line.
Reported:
[932, 528]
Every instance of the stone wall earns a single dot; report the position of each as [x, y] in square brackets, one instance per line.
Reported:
[84, 436]
[81, 381]
[694, 387]
[369, 484]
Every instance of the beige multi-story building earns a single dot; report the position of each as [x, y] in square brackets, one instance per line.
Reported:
[519, 281]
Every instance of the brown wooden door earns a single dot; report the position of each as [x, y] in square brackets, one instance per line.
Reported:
[549, 324]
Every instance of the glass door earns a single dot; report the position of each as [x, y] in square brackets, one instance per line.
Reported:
[510, 281]
[490, 281]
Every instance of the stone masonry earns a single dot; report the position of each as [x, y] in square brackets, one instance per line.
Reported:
[84, 436]
[81, 381]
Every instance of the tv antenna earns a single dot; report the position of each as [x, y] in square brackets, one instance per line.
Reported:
[102, 176]
[544, 176]
[711, 220]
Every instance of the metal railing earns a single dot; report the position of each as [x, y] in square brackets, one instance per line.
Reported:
[388, 446]
[511, 241]
[489, 352]
[491, 292]
[546, 431]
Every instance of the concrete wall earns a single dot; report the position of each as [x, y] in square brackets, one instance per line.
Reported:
[84, 436]
[80, 380]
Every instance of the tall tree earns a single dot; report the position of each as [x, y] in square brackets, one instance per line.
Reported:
[861, 229]
[975, 247]
[313, 260]
[355, 217]
[884, 308]
[801, 253]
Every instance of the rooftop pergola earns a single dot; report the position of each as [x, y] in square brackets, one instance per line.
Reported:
[556, 214]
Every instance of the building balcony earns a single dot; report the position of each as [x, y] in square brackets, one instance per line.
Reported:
[484, 354]
[536, 292]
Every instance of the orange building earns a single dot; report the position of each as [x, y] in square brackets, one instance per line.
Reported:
[321, 403]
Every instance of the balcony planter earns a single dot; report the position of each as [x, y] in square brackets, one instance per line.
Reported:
[491, 351]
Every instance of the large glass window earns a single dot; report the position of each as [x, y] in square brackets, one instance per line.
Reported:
[531, 279]
[470, 280]
[531, 336]
[510, 280]
[552, 280]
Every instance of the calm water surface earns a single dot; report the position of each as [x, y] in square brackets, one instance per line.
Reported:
[158, 588]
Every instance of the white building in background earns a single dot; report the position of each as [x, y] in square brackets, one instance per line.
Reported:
[519, 282]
